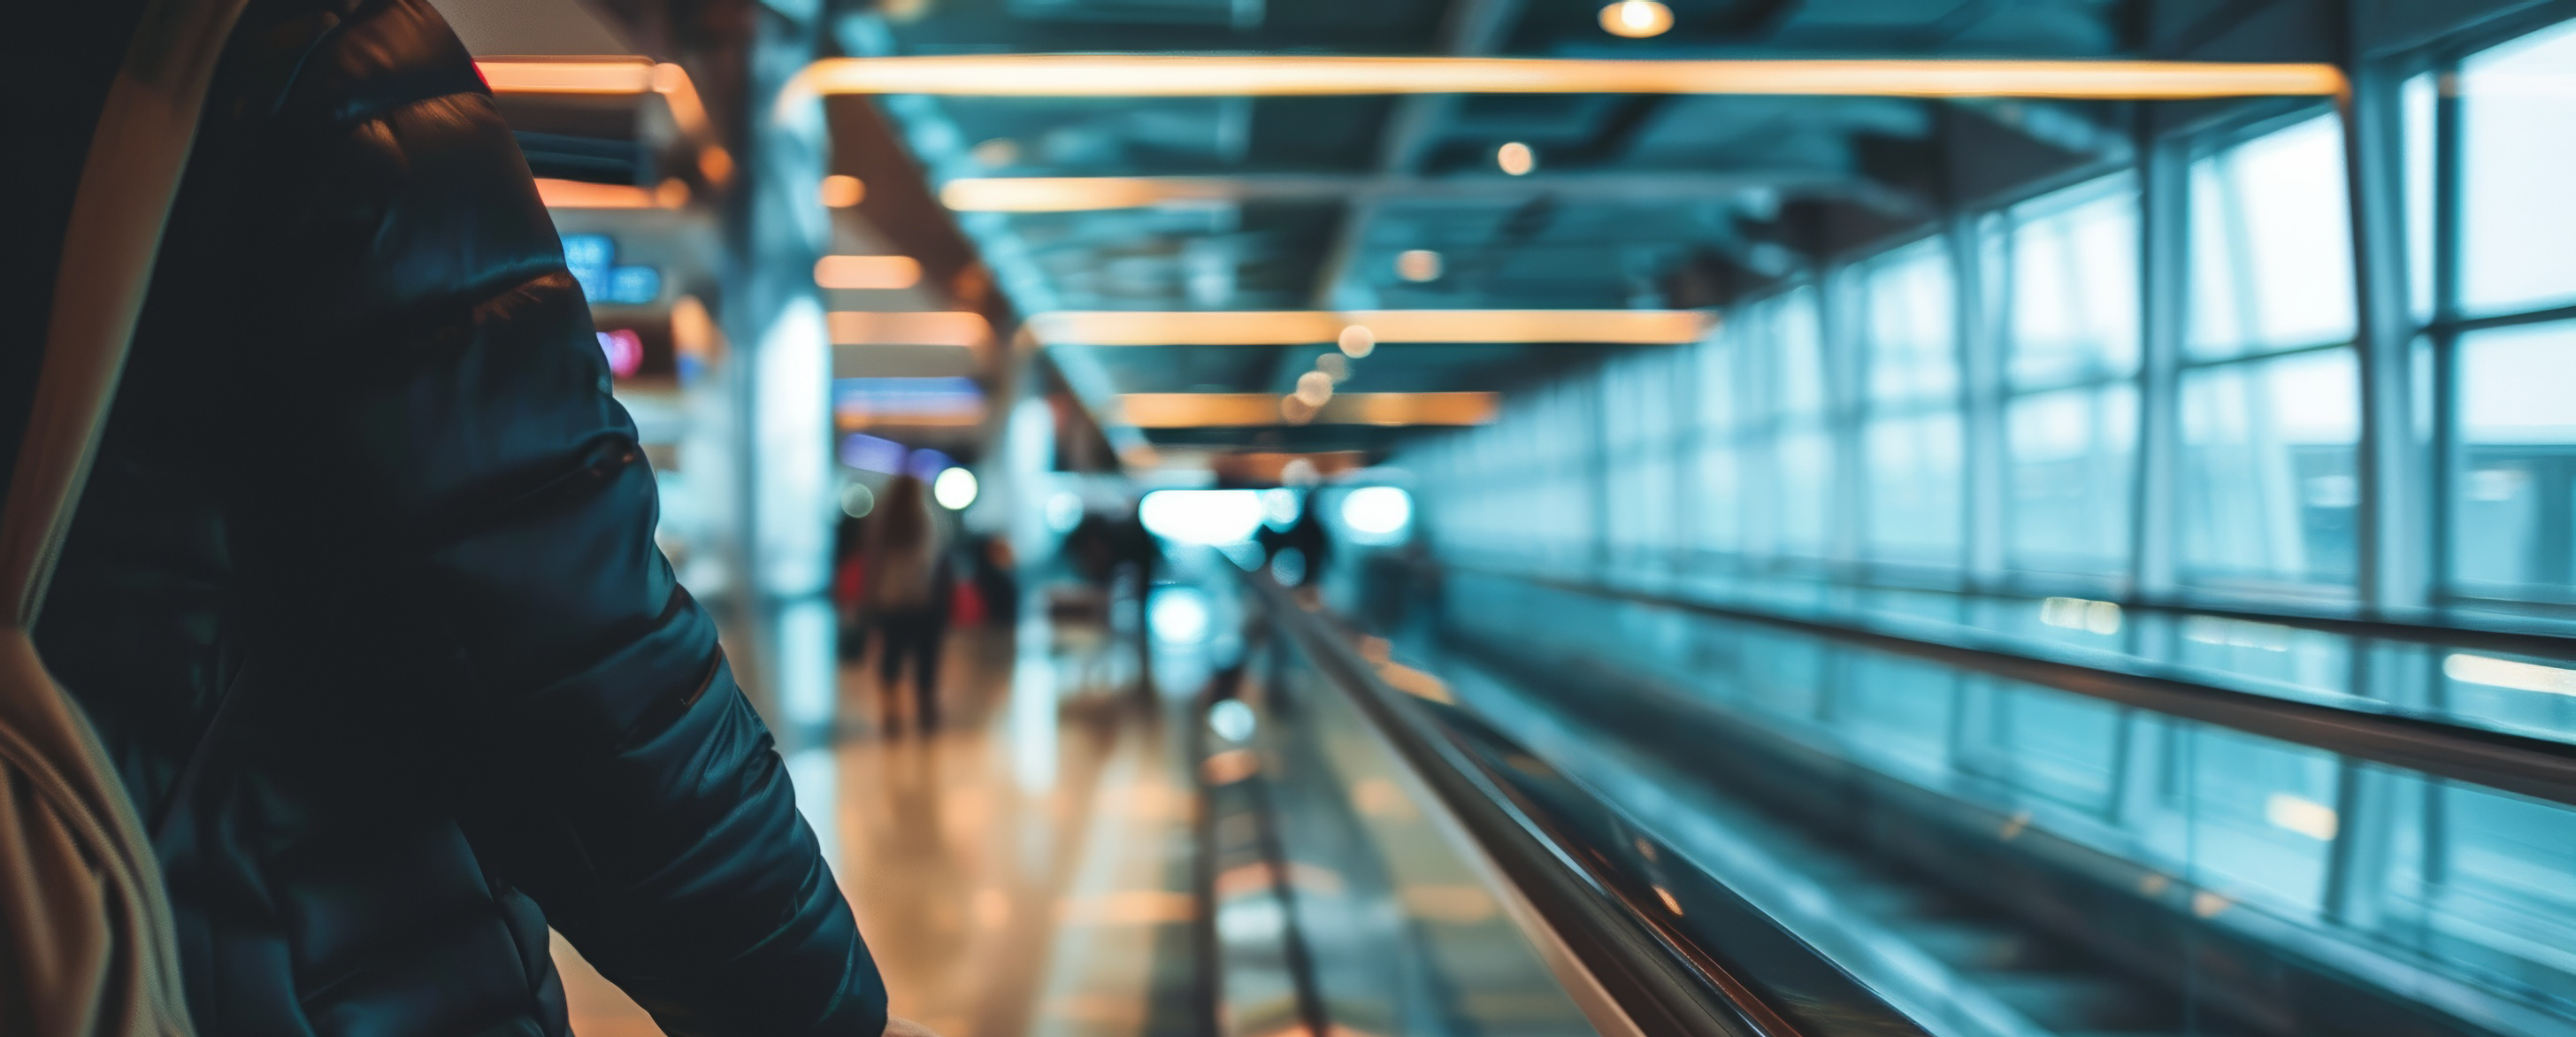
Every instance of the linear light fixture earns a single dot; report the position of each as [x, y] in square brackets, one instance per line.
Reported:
[851, 418]
[607, 75]
[1263, 75]
[1232, 409]
[580, 194]
[862, 272]
[1093, 193]
[613, 76]
[927, 328]
[1078, 193]
[1301, 327]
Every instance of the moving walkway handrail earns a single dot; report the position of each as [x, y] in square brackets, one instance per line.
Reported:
[2537, 767]
[1660, 978]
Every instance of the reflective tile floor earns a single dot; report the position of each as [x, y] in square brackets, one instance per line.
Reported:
[1023, 870]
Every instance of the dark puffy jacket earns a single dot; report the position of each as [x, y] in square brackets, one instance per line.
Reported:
[364, 494]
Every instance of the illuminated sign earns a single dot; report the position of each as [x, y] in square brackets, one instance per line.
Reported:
[592, 259]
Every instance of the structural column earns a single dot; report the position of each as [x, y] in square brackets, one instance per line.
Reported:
[778, 392]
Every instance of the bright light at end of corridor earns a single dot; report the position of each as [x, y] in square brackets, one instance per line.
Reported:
[1636, 19]
[954, 489]
[1064, 511]
[1232, 720]
[1377, 514]
[1179, 615]
[1201, 516]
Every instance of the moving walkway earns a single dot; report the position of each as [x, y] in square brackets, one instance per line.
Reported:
[1517, 805]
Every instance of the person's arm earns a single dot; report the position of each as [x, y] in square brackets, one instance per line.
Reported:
[445, 436]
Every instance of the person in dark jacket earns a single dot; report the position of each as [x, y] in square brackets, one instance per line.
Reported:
[362, 594]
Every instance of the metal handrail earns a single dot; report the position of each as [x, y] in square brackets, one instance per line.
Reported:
[1659, 976]
[2537, 767]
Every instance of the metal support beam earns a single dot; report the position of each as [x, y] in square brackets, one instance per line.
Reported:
[2396, 506]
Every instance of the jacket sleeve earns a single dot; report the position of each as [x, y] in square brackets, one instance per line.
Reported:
[446, 428]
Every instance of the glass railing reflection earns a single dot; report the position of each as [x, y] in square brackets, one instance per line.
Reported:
[2293, 890]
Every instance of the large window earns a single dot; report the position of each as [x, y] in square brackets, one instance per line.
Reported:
[2270, 397]
[2071, 410]
[2499, 230]
[1912, 441]
[2516, 104]
[1640, 432]
[1802, 439]
[1716, 468]
[1844, 417]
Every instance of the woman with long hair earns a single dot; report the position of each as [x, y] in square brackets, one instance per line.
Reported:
[903, 562]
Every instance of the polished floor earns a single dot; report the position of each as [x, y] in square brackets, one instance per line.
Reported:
[1025, 868]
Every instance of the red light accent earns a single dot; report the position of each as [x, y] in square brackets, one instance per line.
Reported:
[625, 351]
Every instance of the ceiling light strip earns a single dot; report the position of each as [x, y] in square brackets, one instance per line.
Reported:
[1174, 75]
[1303, 327]
[1229, 410]
[582, 194]
[863, 273]
[617, 76]
[1096, 193]
[922, 328]
[602, 76]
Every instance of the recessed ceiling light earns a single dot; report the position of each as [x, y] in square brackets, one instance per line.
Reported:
[1357, 340]
[841, 191]
[1516, 158]
[996, 153]
[1636, 19]
[1314, 388]
[1416, 265]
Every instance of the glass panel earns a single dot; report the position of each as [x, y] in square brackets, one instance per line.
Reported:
[1718, 501]
[2518, 220]
[1913, 352]
[1806, 486]
[2257, 816]
[1914, 496]
[2271, 243]
[2268, 484]
[2075, 285]
[2071, 478]
[1798, 343]
[2515, 501]
[1895, 712]
[1712, 402]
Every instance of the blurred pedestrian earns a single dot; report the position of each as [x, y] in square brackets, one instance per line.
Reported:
[907, 576]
